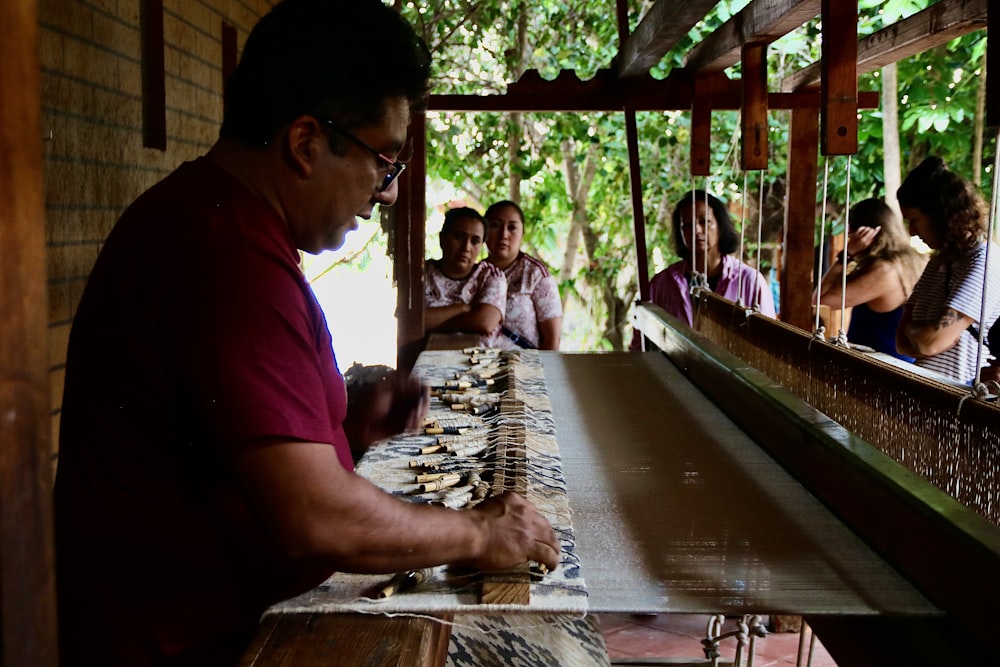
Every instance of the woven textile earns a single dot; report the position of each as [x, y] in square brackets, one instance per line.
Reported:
[387, 464]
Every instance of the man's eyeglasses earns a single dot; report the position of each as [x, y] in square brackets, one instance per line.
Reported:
[395, 167]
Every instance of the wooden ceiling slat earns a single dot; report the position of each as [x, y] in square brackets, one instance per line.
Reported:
[928, 28]
[760, 22]
[660, 30]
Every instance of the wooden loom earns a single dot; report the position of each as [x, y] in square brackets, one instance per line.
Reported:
[949, 548]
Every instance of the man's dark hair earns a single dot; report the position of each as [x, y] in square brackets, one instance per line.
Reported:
[452, 215]
[729, 240]
[334, 59]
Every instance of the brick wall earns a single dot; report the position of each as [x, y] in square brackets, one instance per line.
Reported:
[92, 121]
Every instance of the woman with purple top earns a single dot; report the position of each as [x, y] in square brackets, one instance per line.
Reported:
[715, 241]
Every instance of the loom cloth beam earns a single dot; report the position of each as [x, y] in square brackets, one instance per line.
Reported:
[948, 550]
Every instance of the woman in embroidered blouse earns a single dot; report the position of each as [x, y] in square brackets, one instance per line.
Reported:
[534, 310]
[882, 269]
[460, 293]
[940, 324]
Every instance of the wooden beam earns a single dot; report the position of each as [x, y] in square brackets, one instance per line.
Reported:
[604, 92]
[839, 90]
[311, 640]
[661, 29]
[408, 222]
[753, 112]
[761, 22]
[701, 130]
[154, 86]
[930, 27]
[27, 572]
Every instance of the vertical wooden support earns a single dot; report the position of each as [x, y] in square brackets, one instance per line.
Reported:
[638, 214]
[839, 88]
[510, 473]
[154, 86]
[634, 171]
[753, 110]
[701, 128]
[797, 267]
[408, 249]
[230, 51]
[27, 577]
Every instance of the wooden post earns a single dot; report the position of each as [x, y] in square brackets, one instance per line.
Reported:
[800, 223]
[753, 111]
[409, 249]
[638, 215]
[839, 88]
[701, 128]
[27, 577]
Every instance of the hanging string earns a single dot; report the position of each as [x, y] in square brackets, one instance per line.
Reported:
[743, 228]
[704, 266]
[818, 329]
[760, 233]
[841, 334]
[978, 387]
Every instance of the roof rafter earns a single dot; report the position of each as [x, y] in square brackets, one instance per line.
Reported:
[760, 22]
[930, 27]
[660, 30]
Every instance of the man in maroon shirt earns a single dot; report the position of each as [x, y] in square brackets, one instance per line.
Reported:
[205, 467]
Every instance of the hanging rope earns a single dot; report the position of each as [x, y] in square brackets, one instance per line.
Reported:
[818, 329]
[760, 232]
[841, 334]
[743, 228]
[979, 389]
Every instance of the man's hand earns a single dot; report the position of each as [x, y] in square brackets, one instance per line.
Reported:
[384, 408]
[516, 533]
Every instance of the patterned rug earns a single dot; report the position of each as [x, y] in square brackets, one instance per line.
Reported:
[393, 465]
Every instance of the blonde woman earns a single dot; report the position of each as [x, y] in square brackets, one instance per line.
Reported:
[882, 268]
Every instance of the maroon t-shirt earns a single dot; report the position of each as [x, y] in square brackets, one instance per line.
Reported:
[197, 336]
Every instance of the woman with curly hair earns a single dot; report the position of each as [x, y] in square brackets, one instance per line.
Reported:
[940, 324]
[882, 268]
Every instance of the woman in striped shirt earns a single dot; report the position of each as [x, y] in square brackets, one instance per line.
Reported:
[940, 325]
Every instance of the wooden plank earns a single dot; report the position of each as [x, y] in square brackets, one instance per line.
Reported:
[839, 89]
[154, 86]
[27, 576]
[930, 27]
[408, 225]
[661, 29]
[760, 22]
[358, 640]
[753, 114]
[701, 130]
[796, 271]
[638, 214]
[567, 93]
[230, 52]
[510, 473]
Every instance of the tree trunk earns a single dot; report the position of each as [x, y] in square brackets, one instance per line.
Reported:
[890, 136]
[979, 128]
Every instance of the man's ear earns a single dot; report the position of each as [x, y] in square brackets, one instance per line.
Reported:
[303, 142]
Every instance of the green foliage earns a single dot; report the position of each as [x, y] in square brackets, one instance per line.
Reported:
[477, 51]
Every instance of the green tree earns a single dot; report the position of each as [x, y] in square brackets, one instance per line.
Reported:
[569, 171]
